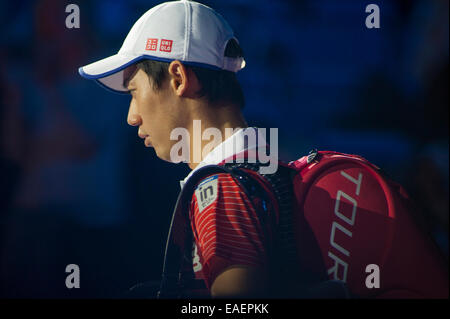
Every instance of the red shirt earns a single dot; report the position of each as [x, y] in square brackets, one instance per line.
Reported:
[226, 228]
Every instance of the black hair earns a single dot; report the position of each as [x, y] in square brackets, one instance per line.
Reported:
[216, 85]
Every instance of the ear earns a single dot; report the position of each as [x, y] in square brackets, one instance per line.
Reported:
[183, 80]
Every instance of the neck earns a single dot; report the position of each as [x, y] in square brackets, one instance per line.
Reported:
[210, 126]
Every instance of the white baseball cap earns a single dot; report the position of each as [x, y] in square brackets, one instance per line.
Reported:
[177, 30]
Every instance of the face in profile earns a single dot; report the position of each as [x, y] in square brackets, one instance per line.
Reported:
[156, 112]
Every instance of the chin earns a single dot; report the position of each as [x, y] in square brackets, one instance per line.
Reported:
[165, 155]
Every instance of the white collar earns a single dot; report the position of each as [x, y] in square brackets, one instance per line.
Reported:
[225, 149]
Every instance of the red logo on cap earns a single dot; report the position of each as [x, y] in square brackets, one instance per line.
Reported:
[152, 44]
[166, 45]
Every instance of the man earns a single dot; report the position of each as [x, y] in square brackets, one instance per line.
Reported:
[178, 62]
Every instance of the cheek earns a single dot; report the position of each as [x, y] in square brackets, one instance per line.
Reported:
[152, 115]
[144, 106]
[158, 114]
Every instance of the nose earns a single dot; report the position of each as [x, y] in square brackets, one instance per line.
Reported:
[133, 118]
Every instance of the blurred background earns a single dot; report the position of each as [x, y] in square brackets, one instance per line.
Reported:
[78, 186]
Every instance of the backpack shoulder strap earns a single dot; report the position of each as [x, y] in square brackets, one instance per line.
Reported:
[280, 184]
[179, 235]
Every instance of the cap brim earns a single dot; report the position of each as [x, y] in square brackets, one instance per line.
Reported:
[109, 72]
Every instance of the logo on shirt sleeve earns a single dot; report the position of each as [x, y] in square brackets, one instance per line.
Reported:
[206, 192]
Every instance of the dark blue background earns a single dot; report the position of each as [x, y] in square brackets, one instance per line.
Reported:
[78, 186]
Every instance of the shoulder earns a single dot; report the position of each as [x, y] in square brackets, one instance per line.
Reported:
[217, 187]
[215, 180]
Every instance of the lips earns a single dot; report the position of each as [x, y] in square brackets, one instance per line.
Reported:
[147, 142]
[146, 139]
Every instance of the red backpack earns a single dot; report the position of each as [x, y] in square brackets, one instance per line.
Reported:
[343, 221]
[365, 223]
